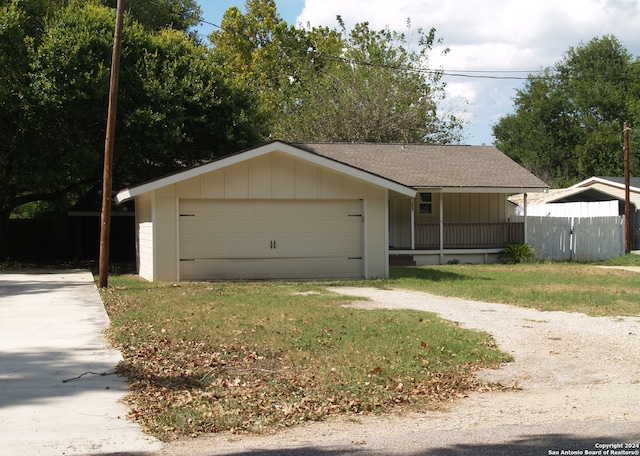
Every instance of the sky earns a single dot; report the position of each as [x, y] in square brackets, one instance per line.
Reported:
[493, 44]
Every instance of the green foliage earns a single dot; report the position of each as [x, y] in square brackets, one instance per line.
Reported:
[517, 253]
[321, 84]
[174, 107]
[160, 14]
[568, 119]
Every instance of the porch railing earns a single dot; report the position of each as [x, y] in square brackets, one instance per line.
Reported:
[468, 235]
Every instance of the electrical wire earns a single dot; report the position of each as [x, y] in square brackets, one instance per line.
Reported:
[504, 75]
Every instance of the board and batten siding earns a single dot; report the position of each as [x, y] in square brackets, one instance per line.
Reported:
[144, 236]
[457, 207]
[270, 176]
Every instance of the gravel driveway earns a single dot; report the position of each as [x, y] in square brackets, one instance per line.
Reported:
[579, 378]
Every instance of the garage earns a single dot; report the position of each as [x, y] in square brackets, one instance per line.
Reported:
[276, 211]
[263, 239]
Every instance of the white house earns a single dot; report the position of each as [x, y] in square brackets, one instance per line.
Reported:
[317, 211]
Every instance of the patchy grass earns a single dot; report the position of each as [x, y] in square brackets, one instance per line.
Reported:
[254, 357]
[570, 287]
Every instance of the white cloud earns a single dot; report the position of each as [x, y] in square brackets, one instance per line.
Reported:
[491, 35]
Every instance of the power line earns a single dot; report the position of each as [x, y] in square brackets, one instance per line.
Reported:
[504, 75]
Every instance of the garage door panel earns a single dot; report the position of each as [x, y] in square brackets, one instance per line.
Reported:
[269, 268]
[239, 239]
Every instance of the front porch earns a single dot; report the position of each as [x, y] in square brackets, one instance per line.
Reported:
[441, 243]
[460, 235]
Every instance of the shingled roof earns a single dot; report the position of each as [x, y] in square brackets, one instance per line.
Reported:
[431, 166]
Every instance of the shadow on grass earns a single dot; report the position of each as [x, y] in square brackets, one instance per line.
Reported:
[425, 273]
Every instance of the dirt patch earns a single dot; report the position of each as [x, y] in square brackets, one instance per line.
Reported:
[567, 366]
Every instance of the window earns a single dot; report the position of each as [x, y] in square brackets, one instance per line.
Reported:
[425, 203]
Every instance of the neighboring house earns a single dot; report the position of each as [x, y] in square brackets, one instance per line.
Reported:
[569, 202]
[311, 211]
[614, 186]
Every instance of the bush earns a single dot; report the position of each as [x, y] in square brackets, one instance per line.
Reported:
[517, 253]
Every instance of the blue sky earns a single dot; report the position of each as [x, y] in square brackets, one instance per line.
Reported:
[213, 10]
[493, 43]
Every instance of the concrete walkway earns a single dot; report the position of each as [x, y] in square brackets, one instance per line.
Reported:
[58, 392]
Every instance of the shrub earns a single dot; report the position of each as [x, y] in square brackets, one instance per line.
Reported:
[517, 253]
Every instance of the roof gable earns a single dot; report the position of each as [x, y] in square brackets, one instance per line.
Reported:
[617, 182]
[276, 146]
[564, 195]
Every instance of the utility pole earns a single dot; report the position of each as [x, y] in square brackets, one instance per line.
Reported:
[627, 203]
[107, 179]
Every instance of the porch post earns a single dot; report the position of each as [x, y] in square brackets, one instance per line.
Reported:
[525, 218]
[441, 217]
[413, 225]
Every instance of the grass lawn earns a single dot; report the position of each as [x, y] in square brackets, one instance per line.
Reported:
[571, 287]
[254, 357]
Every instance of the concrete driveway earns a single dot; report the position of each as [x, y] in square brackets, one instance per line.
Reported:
[58, 392]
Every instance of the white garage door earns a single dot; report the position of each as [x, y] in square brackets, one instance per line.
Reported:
[249, 239]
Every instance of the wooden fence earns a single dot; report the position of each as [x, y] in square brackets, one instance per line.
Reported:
[576, 239]
[69, 238]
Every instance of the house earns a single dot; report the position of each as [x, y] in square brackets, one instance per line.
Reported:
[570, 202]
[614, 186]
[311, 211]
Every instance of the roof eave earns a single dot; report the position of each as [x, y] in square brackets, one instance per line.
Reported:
[600, 180]
[463, 189]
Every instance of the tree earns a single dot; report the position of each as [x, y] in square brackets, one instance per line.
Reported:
[374, 89]
[568, 120]
[159, 14]
[175, 109]
[321, 84]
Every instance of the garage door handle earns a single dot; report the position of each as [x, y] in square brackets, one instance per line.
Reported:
[272, 244]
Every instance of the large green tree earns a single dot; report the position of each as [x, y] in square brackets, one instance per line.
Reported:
[568, 120]
[174, 108]
[160, 14]
[322, 84]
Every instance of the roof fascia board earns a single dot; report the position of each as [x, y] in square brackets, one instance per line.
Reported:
[276, 146]
[598, 180]
[595, 180]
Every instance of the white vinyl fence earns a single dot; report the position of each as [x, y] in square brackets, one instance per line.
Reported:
[576, 239]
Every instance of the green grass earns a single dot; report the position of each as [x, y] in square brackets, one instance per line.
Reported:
[254, 357]
[571, 287]
[251, 357]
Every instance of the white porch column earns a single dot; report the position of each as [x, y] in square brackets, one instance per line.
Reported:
[413, 224]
